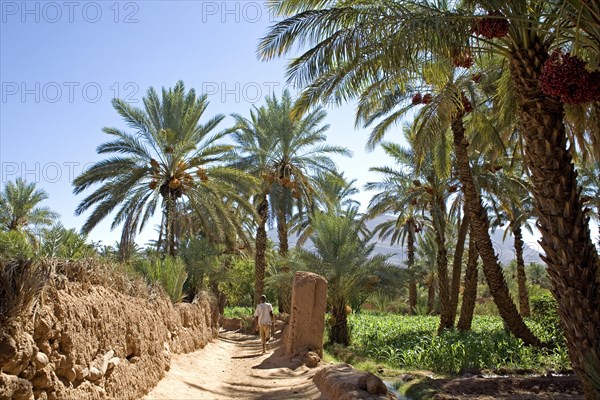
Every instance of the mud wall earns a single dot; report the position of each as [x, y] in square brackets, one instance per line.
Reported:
[88, 341]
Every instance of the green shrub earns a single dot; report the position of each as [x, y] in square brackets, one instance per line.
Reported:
[14, 245]
[201, 260]
[544, 311]
[239, 283]
[238, 312]
[169, 272]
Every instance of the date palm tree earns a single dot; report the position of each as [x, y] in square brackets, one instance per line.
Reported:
[285, 154]
[170, 159]
[393, 199]
[333, 196]
[343, 255]
[416, 182]
[300, 153]
[254, 147]
[513, 204]
[469, 289]
[20, 208]
[362, 47]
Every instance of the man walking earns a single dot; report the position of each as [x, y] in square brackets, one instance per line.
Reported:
[263, 319]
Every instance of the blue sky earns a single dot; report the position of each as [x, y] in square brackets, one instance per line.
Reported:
[61, 63]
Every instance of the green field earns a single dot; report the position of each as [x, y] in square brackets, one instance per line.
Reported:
[410, 342]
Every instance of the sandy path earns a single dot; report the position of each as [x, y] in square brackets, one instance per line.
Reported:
[233, 367]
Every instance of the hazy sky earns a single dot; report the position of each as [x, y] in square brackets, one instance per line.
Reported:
[62, 62]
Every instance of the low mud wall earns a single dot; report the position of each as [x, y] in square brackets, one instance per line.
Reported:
[86, 341]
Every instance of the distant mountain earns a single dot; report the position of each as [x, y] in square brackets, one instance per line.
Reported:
[504, 248]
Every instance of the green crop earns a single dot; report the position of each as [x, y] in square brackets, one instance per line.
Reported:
[411, 342]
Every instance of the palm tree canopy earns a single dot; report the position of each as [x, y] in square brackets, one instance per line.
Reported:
[19, 206]
[170, 156]
[343, 255]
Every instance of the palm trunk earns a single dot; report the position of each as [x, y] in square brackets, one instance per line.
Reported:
[412, 296]
[431, 297]
[169, 228]
[573, 264]
[521, 279]
[412, 283]
[260, 261]
[439, 223]
[219, 295]
[470, 289]
[339, 329]
[457, 264]
[481, 237]
[285, 296]
[282, 232]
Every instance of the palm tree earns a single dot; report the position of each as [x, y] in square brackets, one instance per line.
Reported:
[383, 65]
[392, 200]
[426, 265]
[300, 153]
[333, 196]
[20, 209]
[344, 257]
[283, 152]
[457, 259]
[59, 241]
[170, 157]
[255, 144]
[517, 209]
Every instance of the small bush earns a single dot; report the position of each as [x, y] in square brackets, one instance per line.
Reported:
[238, 312]
[14, 245]
[544, 310]
[169, 272]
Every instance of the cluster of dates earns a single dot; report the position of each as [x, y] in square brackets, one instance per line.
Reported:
[565, 76]
[419, 98]
[495, 25]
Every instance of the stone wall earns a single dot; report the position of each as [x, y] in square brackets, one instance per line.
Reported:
[92, 342]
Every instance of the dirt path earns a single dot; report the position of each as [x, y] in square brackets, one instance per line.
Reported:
[233, 367]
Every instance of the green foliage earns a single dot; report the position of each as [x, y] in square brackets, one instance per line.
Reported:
[238, 312]
[238, 285]
[411, 342]
[15, 245]
[65, 243]
[537, 274]
[20, 284]
[19, 206]
[169, 272]
[170, 161]
[544, 310]
[201, 260]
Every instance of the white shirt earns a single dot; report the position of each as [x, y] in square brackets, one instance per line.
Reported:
[263, 312]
